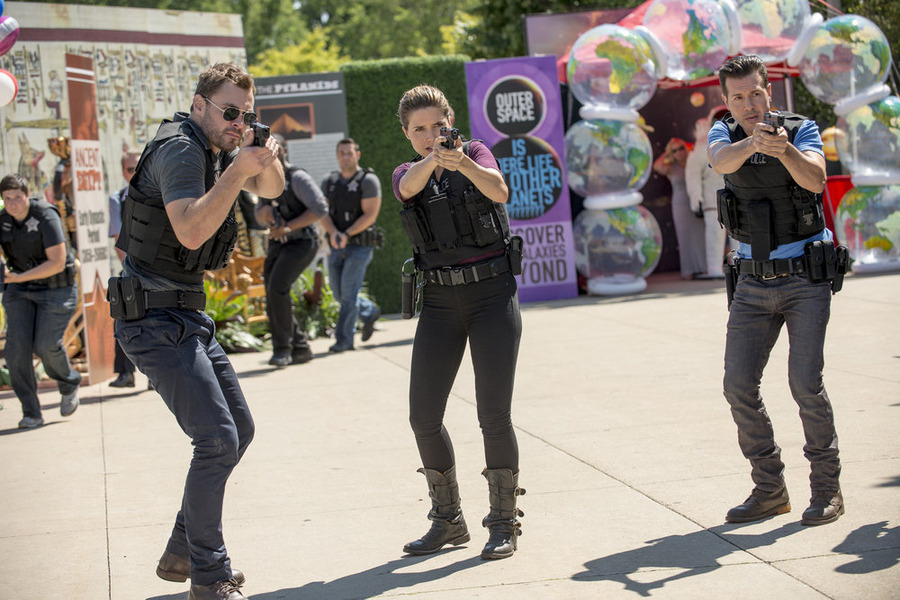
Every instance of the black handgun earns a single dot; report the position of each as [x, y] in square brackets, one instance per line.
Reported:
[775, 119]
[452, 135]
[260, 133]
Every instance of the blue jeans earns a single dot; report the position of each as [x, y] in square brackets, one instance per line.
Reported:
[178, 352]
[36, 322]
[346, 272]
[759, 310]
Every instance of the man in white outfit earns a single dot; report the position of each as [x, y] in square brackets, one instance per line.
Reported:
[702, 184]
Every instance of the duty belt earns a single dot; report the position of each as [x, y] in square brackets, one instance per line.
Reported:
[463, 275]
[306, 233]
[770, 269]
[175, 299]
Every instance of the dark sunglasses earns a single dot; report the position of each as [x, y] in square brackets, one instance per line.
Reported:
[232, 112]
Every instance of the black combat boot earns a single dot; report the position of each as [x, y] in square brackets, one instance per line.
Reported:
[447, 523]
[502, 523]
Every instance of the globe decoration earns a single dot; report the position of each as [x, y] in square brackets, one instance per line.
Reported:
[845, 57]
[616, 248]
[769, 28]
[868, 219]
[605, 157]
[696, 35]
[870, 142]
[612, 66]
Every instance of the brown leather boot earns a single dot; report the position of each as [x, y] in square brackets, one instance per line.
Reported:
[759, 506]
[504, 527]
[178, 568]
[447, 523]
[220, 590]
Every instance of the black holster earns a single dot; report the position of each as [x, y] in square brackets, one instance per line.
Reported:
[731, 278]
[126, 298]
[824, 262]
[410, 286]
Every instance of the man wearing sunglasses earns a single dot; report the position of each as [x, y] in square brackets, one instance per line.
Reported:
[177, 222]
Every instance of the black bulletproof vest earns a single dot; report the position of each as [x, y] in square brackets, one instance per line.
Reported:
[454, 226]
[147, 235]
[764, 195]
[289, 205]
[23, 244]
[345, 206]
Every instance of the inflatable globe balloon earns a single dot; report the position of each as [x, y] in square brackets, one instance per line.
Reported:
[870, 144]
[9, 87]
[9, 33]
[606, 156]
[769, 28]
[868, 222]
[616, 246]
[612, 66]
[846, 56]
[696, 35]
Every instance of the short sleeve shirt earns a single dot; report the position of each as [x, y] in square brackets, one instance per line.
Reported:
[807, 138]
[478, 152]
[25, 243]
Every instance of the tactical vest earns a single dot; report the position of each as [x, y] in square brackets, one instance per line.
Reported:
[24, 249]
[453, 227]
[762, 204]
[289, 205]
[344, 206]
[148, 237]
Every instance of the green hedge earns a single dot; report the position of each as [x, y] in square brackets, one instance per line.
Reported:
[373, 91]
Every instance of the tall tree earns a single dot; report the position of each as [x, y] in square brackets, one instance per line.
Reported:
[374, 29]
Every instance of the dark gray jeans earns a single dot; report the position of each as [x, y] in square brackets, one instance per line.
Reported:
[177, 350]
[759, 310]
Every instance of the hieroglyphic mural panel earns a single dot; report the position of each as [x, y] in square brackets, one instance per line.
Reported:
[146, 61]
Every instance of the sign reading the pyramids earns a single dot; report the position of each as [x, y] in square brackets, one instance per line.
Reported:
[310, 111]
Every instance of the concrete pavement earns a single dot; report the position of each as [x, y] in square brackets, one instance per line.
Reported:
[628, 454]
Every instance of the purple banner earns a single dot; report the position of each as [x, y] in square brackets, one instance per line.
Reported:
[514, 106]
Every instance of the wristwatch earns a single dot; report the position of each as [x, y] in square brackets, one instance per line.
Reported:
[287, 227]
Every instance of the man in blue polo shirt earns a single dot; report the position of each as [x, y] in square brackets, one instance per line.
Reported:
[786, 268]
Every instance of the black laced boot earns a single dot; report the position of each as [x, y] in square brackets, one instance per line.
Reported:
[502, 523]
[447, 523]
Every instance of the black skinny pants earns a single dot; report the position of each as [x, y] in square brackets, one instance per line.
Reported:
[486, 314]
[284, 264]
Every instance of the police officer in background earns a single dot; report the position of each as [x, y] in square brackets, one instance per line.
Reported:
[40, 297]
[354, 201]
[121, 365]
[178, 221]
[293, 243]
[785, 270]
[455, 217]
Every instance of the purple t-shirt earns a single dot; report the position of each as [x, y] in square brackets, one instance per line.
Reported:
[478, 152]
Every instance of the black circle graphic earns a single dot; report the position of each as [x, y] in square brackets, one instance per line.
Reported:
[515, 106]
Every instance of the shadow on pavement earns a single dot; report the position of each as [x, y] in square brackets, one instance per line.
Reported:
[693, 554]
[365, 584]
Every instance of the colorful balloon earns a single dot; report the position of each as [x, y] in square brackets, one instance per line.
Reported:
[9, 87]
[9, 33]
